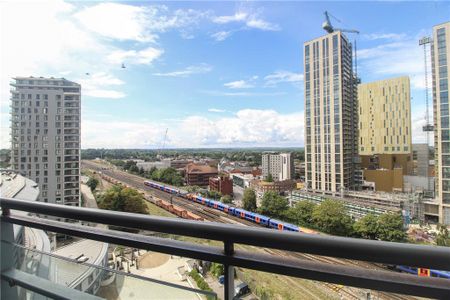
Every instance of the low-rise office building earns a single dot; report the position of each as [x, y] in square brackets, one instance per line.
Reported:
[196, 174]
[260, 187]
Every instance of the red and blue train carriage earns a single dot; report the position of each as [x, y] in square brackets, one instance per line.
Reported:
[424, 272]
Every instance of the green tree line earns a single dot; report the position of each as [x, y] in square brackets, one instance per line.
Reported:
[329, 217]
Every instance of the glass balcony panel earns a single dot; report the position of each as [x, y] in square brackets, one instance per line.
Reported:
[108, 282]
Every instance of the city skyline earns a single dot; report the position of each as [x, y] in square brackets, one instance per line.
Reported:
[215, 74]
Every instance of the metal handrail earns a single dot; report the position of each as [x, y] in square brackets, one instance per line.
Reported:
[343, 247]
[359, 249]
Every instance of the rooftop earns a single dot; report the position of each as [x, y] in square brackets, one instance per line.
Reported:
[200, 169]
[70, 274]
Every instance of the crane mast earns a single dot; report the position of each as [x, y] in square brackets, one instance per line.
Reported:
[428, 127]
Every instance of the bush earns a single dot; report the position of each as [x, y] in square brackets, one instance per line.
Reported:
[92, 183]
[201, 283]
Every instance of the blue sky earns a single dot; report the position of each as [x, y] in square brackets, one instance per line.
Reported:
[216, 74]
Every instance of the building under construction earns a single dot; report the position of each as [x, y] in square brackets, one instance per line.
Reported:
[361, 203]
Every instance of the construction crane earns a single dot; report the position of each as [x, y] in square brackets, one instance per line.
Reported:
[163, 144]
[428, 127]
[330, 29]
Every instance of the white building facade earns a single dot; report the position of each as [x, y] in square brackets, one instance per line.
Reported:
[45, 136]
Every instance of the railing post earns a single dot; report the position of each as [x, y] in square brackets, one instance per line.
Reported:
[229, 272]
[8, 289]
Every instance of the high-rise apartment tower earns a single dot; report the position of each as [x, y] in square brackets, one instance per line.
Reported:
[440, 55]
[45, 136]
[331, 115]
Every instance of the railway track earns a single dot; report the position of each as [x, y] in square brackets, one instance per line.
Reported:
[217, 216]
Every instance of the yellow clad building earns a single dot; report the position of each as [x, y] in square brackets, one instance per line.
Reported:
[385, 132]
[385, 117]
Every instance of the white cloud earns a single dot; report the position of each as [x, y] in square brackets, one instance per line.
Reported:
[145, 56]
[384, 36]
[248, 127]
[237, 17]
[395, 58]
[283, 76]
[46, 43]
[137, 23]
[117, 21]
[261, 24]
[221, 35]
[120, 134]
[239, 84]
[198, 69]
[102, 93]
[97, 85]
[251, 20]
[216, 110]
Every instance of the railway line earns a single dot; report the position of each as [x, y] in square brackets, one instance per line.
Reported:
[217, 216]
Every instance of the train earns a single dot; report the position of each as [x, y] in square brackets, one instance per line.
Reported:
[423, 272]
[269, 222]
[176, 210]
[231, 210]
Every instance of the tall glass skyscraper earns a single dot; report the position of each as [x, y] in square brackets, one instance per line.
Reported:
[440, 54]
[331, 115]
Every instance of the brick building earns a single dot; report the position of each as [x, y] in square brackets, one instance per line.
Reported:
[222, 184]
[196, 174]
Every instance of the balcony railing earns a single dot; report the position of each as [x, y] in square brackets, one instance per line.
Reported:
[339, 247]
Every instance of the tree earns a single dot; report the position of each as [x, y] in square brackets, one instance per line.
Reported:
[128, 164]
[331, 217]
[226, 199]
[367, 227]
[193, 188]
[217, 269]
[443, 237]
[249, 200]
[213, 194]
[141, 171]
[119, 198]
[134, 169]
[274, 205]
[301, 213]
[269, 178]
[92, 183]
[390, 227]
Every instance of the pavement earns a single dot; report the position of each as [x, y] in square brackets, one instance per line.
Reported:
[238, 194]
[133, 288]
[89, 199]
